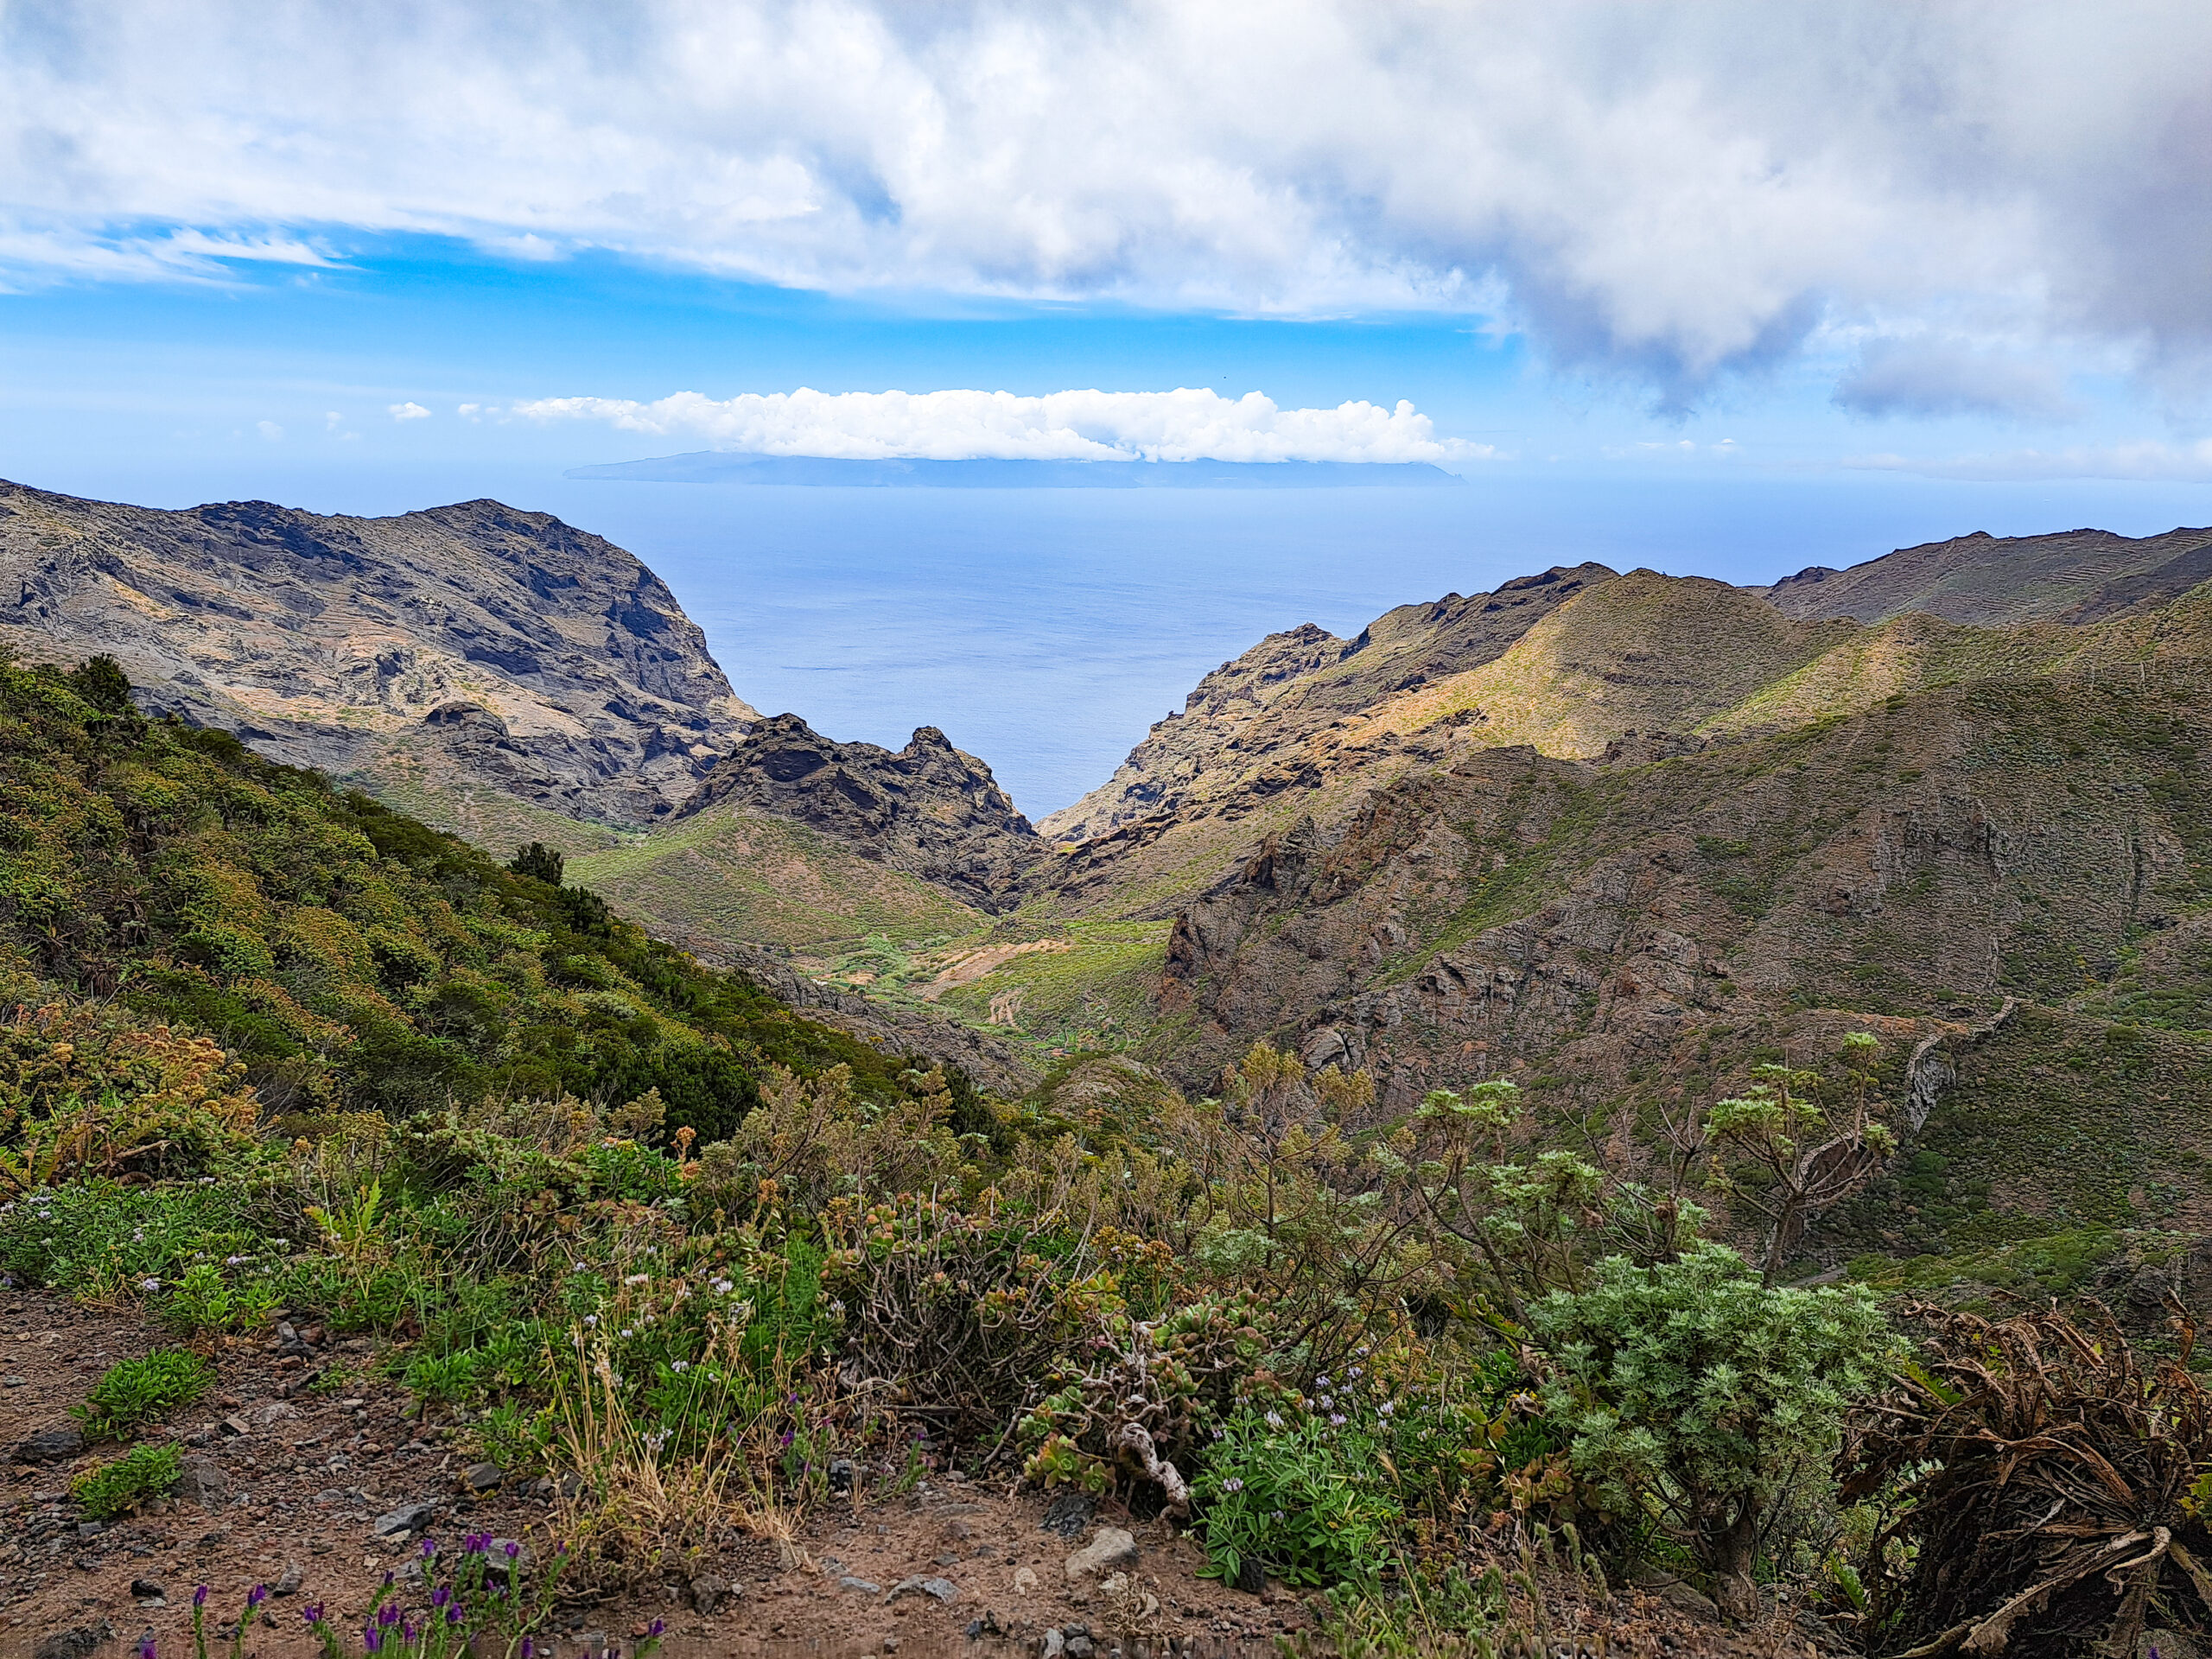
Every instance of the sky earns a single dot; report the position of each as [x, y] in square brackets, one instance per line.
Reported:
[1961, 240]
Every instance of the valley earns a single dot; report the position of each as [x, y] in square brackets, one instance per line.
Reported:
[1546, 882]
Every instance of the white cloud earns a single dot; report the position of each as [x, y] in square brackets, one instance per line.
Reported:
[2148, 460]
[1181, 425]
[1666, 191]
[269, 430]
[409, 411]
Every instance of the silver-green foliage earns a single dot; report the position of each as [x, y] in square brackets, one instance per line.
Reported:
[1709, 1404]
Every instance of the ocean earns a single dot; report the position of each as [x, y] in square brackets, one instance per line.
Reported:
[1045, 630]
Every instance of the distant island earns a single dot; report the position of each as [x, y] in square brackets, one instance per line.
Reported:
[722, 467]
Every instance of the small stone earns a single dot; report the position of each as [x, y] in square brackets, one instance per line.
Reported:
[1251, 1577]
[288, 1581]
[235, 1424]
[936, 1589]
[1055, 1645]
[77, 1643]
[1110, 1547]
[949, 1559]
[274, 1412]
[200, 1479]
[1069, 1514]
[148, 1589]
[50, 1444]
[709, 1592]
[842, 1473]
[1025, 1580]
[482, 1478]
[408, 1517]
[850, 1582]
[1081, 1647]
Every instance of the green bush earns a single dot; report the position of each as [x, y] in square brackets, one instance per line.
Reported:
[1707, 1406]
[135, 1391]
[119, 1488]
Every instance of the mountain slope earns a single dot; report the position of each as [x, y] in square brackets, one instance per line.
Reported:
[350, 957]
[495, 669]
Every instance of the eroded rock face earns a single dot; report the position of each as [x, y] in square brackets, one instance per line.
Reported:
[930, 810]
[436, 655]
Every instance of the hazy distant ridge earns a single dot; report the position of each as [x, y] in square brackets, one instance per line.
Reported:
[719, 467]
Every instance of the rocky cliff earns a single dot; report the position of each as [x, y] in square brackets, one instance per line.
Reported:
[930, 810]
[495, 671]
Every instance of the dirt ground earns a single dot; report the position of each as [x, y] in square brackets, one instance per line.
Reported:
[296, 1460]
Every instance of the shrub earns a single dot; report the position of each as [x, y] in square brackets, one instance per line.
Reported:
[1709, 1406]
[135, 1391]
[85, 1090]
[120, 1487]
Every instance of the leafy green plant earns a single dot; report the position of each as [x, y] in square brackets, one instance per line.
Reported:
[135, 1391]
[205, 1301]
[119, 1487]
[1304, 1497]
[1709, 1406]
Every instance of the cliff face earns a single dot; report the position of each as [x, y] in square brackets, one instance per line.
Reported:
[930, 810]
[486, 666]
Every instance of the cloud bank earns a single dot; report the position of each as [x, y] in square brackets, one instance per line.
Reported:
[1180, 425]
[1669, 192]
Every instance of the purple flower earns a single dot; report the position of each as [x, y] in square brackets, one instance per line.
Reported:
[429, 1548]
[312, 1612]
[529, 1649]
[407, 1631]
[256, 1596]
[513, 1549]
[387, 1581]
[656, 1627]
[371, 1640]
[146, 1647]
[453, 1614]
[199, 1597]
[441, 1595]
[388, 1615]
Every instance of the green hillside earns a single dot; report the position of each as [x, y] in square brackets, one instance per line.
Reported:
[351, 958]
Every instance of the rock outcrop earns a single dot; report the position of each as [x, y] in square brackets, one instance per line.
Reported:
[460, 659]
[929, 809]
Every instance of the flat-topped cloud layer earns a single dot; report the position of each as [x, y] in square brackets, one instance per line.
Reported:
[1186, 424]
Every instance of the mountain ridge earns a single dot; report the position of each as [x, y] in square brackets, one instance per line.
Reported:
[495, 666]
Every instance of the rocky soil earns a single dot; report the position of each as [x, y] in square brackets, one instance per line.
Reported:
[462, 660]
[309, 1473]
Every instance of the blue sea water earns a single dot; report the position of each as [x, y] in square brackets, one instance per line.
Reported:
[1045, 630]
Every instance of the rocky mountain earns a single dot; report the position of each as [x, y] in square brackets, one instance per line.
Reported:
[1626, 835]
[1255, 713]
[930, 812]
[496, 671]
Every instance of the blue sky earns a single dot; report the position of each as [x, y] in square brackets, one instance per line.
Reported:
[1622, 242]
